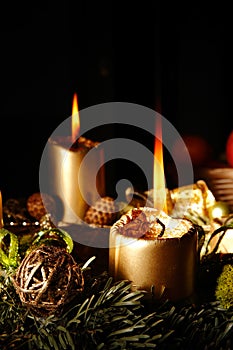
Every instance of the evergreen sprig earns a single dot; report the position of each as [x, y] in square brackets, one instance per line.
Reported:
[111, 316]
[108, 315]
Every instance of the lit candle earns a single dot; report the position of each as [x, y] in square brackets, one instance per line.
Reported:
[70, 180]
[159, 254]
[1, 211]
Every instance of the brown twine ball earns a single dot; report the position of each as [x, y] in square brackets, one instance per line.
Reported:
[47, 279]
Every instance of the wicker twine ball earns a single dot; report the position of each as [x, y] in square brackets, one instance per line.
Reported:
[47, 279]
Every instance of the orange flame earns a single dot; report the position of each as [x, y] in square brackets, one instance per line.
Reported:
[159, 178]
[75, 119]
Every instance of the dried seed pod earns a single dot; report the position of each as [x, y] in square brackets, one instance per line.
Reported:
[39, 204]
[103, 212]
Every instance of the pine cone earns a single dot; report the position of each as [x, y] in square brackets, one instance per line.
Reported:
[102, 213]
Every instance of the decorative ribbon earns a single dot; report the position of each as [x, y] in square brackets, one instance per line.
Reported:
[11, 259]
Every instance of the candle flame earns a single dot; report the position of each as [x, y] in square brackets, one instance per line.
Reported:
[159, 187]
[75, 118]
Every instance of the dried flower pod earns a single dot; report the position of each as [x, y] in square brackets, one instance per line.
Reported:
[47, 279]
[103, 212]
[136, 225]
[39, 204]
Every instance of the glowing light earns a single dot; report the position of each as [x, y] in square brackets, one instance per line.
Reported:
[158, 175]
[75, 119]
[219, 209]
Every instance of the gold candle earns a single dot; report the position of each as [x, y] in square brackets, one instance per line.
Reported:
[157, 253]
[75, 183]
[70, 182]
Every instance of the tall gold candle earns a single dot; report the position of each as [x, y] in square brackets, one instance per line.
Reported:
[75, 173]
[70, 182]
[157, 253]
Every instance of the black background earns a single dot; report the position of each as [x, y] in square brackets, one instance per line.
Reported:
[176, 54]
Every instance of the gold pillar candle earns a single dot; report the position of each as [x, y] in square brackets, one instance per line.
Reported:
[75, 184]
[157, 253]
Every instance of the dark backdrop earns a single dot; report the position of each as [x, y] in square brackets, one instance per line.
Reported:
[159, 55]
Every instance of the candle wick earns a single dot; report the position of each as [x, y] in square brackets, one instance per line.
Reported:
[152, 290]
[163, 227]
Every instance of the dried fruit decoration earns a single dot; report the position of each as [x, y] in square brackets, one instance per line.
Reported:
[102, 213]
[38, 204]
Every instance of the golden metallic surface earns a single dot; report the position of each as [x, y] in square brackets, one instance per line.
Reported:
[195, 197]
[219, 209]
[68, 182]
[165, 266]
